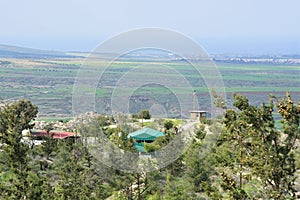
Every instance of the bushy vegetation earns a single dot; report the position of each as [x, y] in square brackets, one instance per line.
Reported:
[143, 114]
[250, 159]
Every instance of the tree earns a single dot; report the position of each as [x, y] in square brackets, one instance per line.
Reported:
[144, 114]
[49, 144]
[14, 118]
[72, 170]
[200, 133]
[178, 188]
[261, 148]
[168, 124]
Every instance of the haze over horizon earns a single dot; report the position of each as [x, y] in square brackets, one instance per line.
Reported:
[231, 27]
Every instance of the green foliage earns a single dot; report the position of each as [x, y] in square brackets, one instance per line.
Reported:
[72, 173]
[200, 133]
[207, 121]
[104, 121]
[201, 170]
[144, 114]
[14, 118]
[35, 172]
[155, 196]
[49, 145]
[218, 100]
[259, 147]
[229, 184]
[251, 159]
[126, 144]
[178, 188]
[151, 147]
[168, 124]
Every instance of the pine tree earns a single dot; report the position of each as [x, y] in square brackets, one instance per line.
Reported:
[262, 149]
[14, 118]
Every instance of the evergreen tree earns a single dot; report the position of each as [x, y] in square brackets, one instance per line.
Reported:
[14, 118]
[178, 189]
[260, 148]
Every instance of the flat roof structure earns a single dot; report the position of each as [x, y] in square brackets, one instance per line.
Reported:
[198, 111]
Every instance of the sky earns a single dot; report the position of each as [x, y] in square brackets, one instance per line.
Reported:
[231, 26]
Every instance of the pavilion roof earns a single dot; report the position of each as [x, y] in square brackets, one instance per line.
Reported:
[146, 134]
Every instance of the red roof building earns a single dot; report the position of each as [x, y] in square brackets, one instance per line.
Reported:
[56, 134]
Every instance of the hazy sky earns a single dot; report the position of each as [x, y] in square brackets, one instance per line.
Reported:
[221, 26]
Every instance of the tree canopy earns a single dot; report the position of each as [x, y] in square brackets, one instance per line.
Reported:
[253, 157]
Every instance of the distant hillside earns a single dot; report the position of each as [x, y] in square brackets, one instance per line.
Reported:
[8, 51]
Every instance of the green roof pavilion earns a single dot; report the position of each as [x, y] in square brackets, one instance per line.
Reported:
[146, 134]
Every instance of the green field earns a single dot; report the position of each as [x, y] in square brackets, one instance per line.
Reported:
[49, 82]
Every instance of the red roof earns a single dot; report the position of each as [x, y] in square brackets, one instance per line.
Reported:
[56, 134]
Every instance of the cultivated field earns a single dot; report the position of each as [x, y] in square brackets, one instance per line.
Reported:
[48, 82]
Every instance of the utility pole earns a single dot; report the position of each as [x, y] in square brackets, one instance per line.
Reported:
[194, 99]
[119, 130]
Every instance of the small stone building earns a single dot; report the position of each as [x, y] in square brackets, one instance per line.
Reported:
[198, 115]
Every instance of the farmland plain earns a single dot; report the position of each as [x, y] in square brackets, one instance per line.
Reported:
[48, 82]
